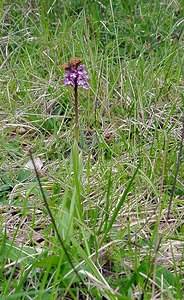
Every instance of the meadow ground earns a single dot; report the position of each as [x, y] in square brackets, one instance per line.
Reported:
[117, 202]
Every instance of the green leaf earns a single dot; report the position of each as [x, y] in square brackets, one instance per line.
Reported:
[23, 175]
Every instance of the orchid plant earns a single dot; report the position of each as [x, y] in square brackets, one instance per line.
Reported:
[75, 76]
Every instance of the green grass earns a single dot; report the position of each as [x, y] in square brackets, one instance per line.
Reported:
[109, 200]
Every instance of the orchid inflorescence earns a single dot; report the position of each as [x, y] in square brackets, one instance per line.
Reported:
[75, 75]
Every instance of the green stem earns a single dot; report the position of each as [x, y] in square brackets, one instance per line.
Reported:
[76, 112]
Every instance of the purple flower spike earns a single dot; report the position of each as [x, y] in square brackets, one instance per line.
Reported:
[76, 76]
